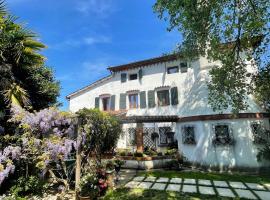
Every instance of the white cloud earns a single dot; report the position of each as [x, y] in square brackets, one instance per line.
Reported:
[96, 68]
[100, 8]
[94, 40]
[88, 41]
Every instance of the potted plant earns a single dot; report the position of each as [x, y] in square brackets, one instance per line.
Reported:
[102, 181]
[88, 187]
[110, 173]
[117, 166]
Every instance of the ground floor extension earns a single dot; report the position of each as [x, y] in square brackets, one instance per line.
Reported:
[217, 141]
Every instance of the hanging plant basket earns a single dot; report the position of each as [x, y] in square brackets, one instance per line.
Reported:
[154, 135]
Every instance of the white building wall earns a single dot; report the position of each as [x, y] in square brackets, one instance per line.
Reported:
[242, 154]
[193, 100]
[192, 90]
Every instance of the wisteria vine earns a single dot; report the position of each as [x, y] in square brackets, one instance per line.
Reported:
[46, 136]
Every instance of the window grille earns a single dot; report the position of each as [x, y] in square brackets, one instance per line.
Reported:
[188, 135]
[223, 135]
[259, 133]
[163, 137]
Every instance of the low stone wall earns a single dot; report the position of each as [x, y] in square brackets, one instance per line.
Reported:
[145, 162]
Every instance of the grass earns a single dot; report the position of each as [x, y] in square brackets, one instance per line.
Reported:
[210, 176]
[139, 194]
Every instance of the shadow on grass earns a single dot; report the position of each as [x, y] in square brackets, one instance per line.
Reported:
[141, 194]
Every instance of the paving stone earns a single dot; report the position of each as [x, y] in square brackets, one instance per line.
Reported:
[206, 190]
[174, 187]
[159, 186]
[190, 181]
[145, 185]
[162, 180]
[263, 194]
[239, 185]
[204, 182]
[255, 186]
[225, 192]
[132, 184]
[221, 184]
[176, 180]
[150, 179]
[267, 185]
[138, 178]
[189, 188]
[245, 194]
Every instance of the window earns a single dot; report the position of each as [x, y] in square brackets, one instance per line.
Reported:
[222, 135]
[188, 136]
[183, 67]
[123, 77]
[133, 77]
[172, 70]
[164, 137]
[133, 101]
[258, 133]
[106, 103]
[163, 98]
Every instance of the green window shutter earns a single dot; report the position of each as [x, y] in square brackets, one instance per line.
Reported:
[174, 96]
[151, 99]
[142, 99]
[122, 101]
[140, 74]
[123, 77]
[97, 102]
[113, 102]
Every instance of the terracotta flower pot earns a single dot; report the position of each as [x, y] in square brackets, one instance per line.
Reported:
[84, 198]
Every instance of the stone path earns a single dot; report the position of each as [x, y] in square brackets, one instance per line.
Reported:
[207, 187]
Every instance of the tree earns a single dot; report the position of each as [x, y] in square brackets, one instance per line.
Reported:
[24, 77]
[101, 132]
[236, 32]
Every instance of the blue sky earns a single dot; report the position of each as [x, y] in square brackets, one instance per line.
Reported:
[84, 37]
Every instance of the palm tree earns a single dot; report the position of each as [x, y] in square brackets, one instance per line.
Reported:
[19, 57]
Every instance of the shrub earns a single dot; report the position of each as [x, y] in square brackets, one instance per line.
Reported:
[101, 131]
[123, 153]
[173, 164]
[138, 154]
[171, 152]
[29, 185]
[160, 154]
[89, 186]
[109, 165]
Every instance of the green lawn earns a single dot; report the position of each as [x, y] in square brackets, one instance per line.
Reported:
[141, 194]
[264, 178]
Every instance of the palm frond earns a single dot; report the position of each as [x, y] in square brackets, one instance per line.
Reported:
[3, 10]
[16, 95]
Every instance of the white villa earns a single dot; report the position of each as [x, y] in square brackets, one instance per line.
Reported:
[169, 96]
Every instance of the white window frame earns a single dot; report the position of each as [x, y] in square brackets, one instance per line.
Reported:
[138, 103]
[104, 97]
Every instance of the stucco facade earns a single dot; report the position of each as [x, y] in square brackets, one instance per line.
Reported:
[192, 101]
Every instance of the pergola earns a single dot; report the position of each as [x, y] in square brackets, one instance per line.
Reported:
[139, 120]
